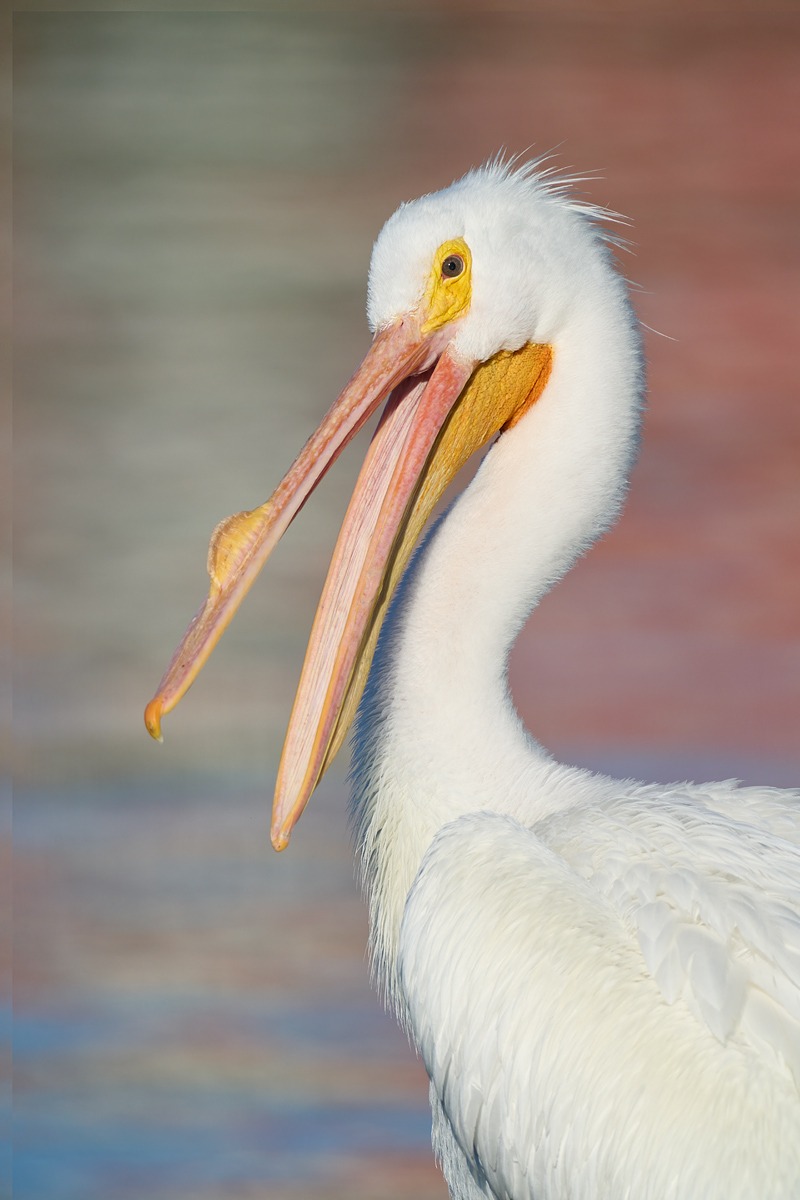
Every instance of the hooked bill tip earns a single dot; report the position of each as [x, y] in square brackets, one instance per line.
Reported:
[152, 718]
[280, 839]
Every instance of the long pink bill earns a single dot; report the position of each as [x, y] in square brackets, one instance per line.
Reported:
[384, 494]
[241, 544]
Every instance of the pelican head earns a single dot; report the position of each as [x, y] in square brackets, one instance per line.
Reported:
[521, 232]
[470, 291]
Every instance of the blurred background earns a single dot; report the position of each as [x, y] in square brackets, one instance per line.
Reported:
[196, 196]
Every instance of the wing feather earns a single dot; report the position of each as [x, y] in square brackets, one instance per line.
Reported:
[712, 893]
[592, 1007]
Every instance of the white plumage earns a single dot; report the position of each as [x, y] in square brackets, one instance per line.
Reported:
[607, 1003]
[602, 977]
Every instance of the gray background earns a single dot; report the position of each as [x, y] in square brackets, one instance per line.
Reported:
[196, 195]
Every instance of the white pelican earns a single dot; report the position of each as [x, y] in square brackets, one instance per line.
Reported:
[602, 977]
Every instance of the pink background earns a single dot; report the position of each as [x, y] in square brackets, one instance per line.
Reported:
[196, 197]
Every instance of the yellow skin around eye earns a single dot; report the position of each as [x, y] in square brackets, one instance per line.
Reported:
[447, 297]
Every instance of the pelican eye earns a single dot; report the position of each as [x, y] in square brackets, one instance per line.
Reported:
[453, 266]
[449, 288]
